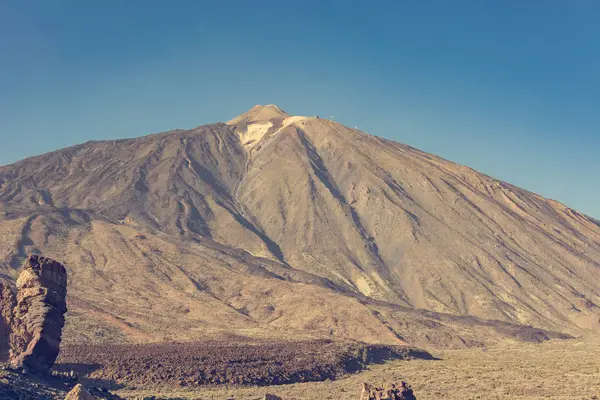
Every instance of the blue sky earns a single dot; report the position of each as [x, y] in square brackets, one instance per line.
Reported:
[509, 88]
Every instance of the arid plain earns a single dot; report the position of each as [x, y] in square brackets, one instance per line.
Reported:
[564, 370]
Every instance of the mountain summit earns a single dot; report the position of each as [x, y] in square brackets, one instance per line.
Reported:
[259, 113]
[272, 225]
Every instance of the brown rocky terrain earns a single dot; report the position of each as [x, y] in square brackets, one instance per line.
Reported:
[22, 385]
[31, 324]
[401, 391]
[556, 370]
[273, 227]
[211, 363]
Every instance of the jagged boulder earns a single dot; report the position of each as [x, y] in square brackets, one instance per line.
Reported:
[79, 393]
[393, 392]
[32, 321]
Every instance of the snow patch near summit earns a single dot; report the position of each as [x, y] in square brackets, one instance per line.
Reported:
[253, 133]
[291, 120]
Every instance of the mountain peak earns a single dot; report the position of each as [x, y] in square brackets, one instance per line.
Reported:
[274, 108]
[296, 220]
[259, 113]
[261, 121]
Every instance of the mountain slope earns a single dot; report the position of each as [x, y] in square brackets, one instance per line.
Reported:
[400, 225]
[281, 226]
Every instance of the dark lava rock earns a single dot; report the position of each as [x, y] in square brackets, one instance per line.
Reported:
[251, 362]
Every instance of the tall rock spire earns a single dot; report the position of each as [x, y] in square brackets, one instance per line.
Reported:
[32, 321]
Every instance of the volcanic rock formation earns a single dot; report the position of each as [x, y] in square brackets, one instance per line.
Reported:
[32, 321]
[393, 392]
[79, 393]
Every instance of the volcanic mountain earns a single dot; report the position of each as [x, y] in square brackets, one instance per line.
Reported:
[281, 226]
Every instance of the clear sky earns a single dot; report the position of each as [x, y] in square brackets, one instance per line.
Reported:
[510, 88]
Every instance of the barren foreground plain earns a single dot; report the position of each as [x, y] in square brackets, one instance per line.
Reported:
[557, 369]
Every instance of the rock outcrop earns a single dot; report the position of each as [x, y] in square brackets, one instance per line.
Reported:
[32, 321]
[393, 392]
[19, 384]
[79, 393]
